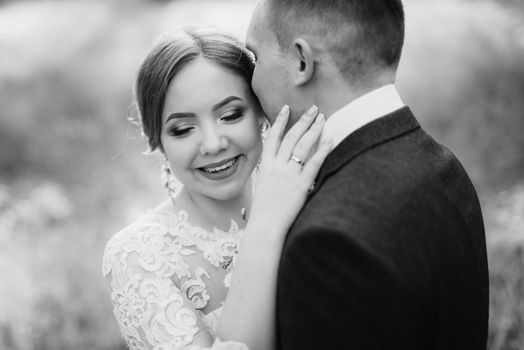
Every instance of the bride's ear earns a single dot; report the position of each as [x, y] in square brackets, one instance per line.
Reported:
[304, 58]
[263, 124]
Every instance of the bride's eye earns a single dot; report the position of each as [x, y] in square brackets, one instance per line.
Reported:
[180, 130]
[232, 116]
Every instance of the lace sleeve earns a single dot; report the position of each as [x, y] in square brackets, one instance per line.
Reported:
[150, 309]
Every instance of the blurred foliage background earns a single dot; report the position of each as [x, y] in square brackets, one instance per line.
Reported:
[73, 169]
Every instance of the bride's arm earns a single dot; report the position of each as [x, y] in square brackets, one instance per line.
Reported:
[139, 262]
[142, 266]
[249, 310]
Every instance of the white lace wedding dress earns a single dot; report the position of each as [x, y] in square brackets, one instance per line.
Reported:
[169, 279]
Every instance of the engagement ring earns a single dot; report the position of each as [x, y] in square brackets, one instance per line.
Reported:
[298, 160]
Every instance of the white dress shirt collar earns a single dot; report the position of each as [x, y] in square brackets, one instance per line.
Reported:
[360, 112]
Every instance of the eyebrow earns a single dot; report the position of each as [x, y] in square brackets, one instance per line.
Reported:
[214, 108]
[179, 116]
[225, 102]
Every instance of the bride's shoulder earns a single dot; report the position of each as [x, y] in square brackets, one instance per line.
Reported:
[153, 229]
[153, 222]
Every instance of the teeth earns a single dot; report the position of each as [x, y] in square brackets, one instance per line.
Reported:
[220, 168]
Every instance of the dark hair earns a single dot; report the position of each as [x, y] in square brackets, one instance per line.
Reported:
[361, 34]
[169, 56]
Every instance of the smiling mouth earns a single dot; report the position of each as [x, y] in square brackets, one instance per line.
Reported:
[223, 167]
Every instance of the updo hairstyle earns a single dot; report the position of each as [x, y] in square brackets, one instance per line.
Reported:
[169, 56]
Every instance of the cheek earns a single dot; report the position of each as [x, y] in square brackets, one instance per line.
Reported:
[179, 154]
[256, 145]
[255, 82]
[250, 139]
[263, 88]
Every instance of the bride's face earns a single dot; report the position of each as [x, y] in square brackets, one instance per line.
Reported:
[211, 130]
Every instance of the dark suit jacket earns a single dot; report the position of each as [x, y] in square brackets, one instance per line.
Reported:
[389, 251]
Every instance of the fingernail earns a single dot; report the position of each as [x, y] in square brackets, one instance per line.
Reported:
[284, 111]
[319, 119]
[312, 111]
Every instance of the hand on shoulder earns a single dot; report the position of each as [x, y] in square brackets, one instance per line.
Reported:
[287, 171]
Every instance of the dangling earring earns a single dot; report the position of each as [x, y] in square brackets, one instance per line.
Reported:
[169, 179]
[264, 128]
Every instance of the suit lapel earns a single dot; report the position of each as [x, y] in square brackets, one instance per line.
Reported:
[377, 132]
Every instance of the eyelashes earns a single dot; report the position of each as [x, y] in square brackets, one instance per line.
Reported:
[232, 116]
[184, 129]
[180, 131]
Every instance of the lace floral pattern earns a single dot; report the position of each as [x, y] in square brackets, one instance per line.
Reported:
[157, 295]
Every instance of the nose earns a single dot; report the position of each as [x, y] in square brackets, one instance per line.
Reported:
[213, 141]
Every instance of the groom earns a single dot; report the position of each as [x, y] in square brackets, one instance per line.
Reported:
[389, 251]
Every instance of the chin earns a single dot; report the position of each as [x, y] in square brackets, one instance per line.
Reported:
[225, 195]
[228, 191]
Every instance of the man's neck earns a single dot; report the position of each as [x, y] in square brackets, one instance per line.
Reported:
[361, 111]
[332, 97]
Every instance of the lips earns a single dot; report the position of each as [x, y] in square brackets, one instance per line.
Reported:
[221, 166]
[219, 170]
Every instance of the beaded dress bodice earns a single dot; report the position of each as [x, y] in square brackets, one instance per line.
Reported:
[169, 279]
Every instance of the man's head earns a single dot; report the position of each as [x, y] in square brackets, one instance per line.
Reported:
[318, 51]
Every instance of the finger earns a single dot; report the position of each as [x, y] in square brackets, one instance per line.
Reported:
[295, 133]
[274, 136]
[311, 168]
[307, 142]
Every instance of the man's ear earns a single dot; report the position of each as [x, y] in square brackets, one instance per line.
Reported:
[305, 58]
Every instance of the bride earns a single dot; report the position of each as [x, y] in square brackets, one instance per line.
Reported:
[192, 273]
